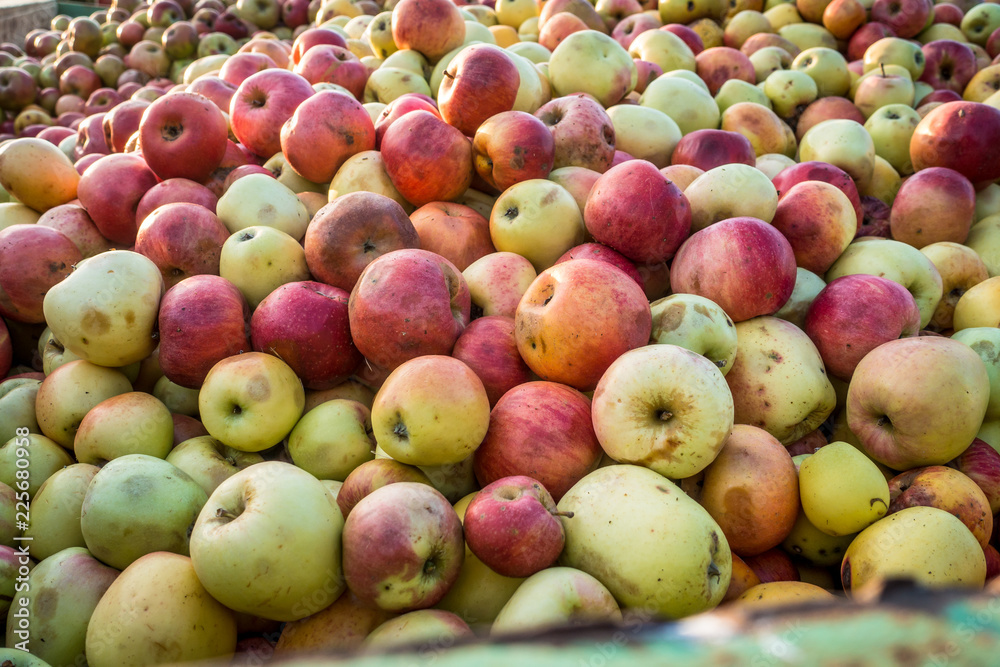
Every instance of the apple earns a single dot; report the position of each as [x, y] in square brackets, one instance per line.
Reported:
[758, 283]
[406, 413]
[936, 204]
[432, 27]
[512, 527]
[130, 423]
[604, 538]
[463, 100]
[961, 269]
[262, 104]
[405, 535]
[926, 428]
[730, 191]
[408, 303]
[819, 222]
[489, 348]
[261, 200]
[317, 147]
[631, 234]
[374, 474]
[343, 625]
[904, 17]
[538, 219]
[511, 147]
[947, 489]
[250, 401]
[427, 159]
[420, 630]
[242, 537]
[221, 92]
[956, 135]
[37, 173]
[556, 597]
[592, 62]
[111, 189]
[853, 315]
[497, 282]
[819, 171]
[978, 462]
[583, 133]
[352, 230]
[183, 240]
[120, 528]
[950, 65]
[183, 135]
[576, 318]
[209, 462]
[33, 260]
[306, 325]
[755, 467]
[333, 439]
[456, 232]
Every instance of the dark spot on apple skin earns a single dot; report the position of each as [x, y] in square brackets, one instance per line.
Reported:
[259, 388]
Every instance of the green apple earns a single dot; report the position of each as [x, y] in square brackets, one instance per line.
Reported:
[808, 35]
[410, 60]
[55, 510]
[827, 67]
[592, 62]
[423, 630]
[667, 573]
[130, 423]
[896, 261]
[533, 51]
[689, 105]
[697, 324]
[68, 394]
[808, 542]
[877, 90]
[644, 133]
[556, 597]
[8, 515]
[985, 341]
[980, 22]
[537, 219]
[790, 91]
[984, 238]
[17, 406]
[778, 380]
[768, 60]
[209, 462]
[891, 127]
[260, 259]
[258, 199]
[105, 310]
[531, 94]
[730, 191]
[842, 143]
[43, 458]
[387, 83]
[988, 200]
[61, 594]
[268, 543]
[842, 490]
[735, 91]
[138, 504]
[157, 612]
[251, 401]
[687, 75]
[895, 51]
[332, 439]
[807, 286]
[773, 164]
[432, 410]
[179, 400]
[663, 48]
[926, 544]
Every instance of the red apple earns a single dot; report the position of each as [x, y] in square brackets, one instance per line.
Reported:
[981, 463]
[480, 82]
[432, 27]
[819, 171]
[707, 149]
[183, 240]
[511, 444]
[949, 65]
[372, 475]
[688, 35]
[324, 131]
[240, 66]
[583, 133]
[262, 104]
[636, 210]
[312, 37]
[743, 264]
[171, 191]
[401, 105]
[512, 526]
[305, 324]
[935, 204]
[855, 314]
[819, 221]
[120, 123]
[102, 100]
[110, 190]
[512, 146]
[454, 231]
[73, 221]
[906, 18]
[961, 136]
[331, 63]
[203, 320]
[408, 303]
[865, 36]
[488, 347]
[211, 86]
[90, 137]
[33, 258]
[603, 253]
[719, 64]
[352, 230]
[79, 80]
[427, 159]
[183, 135]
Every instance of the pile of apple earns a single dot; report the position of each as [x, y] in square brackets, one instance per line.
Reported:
[341, 325]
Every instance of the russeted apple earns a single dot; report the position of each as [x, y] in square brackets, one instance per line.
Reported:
[578, 317]
[408, 303]
[651, 226]
[341, 626]
[947, 489]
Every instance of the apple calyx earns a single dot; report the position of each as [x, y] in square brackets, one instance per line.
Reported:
[713, 570]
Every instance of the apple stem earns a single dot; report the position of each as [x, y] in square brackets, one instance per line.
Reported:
[568, 515]
[882, 65]
[224, 513]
